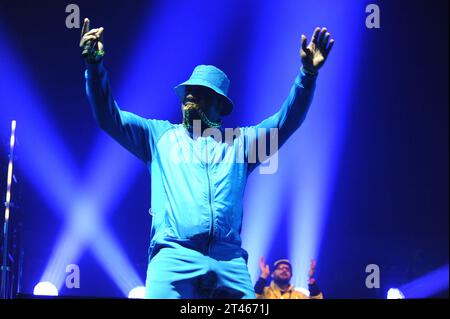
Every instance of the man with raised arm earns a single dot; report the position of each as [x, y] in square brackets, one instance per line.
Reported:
[197, 176]
[281, 286]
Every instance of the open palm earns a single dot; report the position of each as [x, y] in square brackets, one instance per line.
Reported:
[265, 271]
[316, 52]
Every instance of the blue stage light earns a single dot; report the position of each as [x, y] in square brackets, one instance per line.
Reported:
[45, 288]
[395, 293]
[137, 293]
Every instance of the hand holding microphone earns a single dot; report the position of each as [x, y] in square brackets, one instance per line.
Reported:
[91, 43]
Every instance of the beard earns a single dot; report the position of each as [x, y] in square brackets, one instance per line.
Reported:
[282, 281]
[191, 106]
[193, 111]
[190, 113]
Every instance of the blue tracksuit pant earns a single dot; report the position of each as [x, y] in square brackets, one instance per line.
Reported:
[177, 271]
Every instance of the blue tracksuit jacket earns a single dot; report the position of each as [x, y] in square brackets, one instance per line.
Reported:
[197, 183]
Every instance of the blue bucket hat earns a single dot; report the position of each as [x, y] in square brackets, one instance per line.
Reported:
[210, 77]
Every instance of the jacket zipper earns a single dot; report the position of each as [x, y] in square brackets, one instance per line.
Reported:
[211, 230]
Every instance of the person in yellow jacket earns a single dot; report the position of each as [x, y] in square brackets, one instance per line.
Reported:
[281, 287]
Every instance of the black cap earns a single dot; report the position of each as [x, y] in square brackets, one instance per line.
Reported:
[282, 261]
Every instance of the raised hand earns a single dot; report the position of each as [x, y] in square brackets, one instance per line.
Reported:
[312, 268]
[316, 52]
[91, 43]
[265, 271]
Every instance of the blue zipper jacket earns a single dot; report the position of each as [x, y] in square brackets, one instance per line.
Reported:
[197, 182]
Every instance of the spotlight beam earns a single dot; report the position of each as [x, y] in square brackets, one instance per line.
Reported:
[41, 148]
[427, 285]
[114, 261]
[322, 134]
[258, 232]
